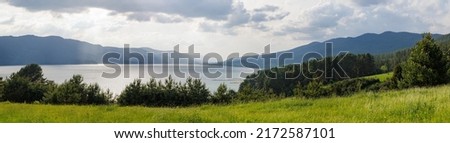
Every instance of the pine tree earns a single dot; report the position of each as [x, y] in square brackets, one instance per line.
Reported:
[426, 64]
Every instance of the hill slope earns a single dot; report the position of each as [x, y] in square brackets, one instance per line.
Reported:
[410, 105]
[57, 50]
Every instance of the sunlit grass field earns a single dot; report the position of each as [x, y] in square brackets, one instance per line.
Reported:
[382, 77]
[410, 105]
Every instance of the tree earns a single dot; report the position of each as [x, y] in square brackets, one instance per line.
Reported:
[197, 91]
[222, 95]
[74, 91]
[32, 71]
[397, 77]
[315, 89]
[26, 86]
[426, 64]
[1, 88]
[132, 95]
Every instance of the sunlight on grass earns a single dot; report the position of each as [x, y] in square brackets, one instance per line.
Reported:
[411, 105]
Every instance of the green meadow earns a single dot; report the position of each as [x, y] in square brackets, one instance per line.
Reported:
[382, 77]
[398, 106]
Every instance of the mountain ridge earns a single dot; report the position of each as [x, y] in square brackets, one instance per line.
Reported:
[371, 43]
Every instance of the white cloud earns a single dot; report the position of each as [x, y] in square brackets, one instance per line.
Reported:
[8, 21]
[317, 22]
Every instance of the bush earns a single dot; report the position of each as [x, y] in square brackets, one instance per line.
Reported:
[75, 91]
[316, 89]
[349, 86]
[169, 93]
[1, 89]
[223, 95]
[133, 94]
[246, 94]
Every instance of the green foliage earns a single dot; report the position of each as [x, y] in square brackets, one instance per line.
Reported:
[26, 86]
[32, 72]
[397, 76]
[316, 89]
[247, 93]
[74, 91]
[350, 86]
[223, 95]
[169, 93]
[283, 81]
[426, 65]
[387, 62]
[384, 68]
[2, 84]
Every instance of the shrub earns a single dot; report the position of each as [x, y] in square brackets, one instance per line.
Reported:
[246, 94]
[169, 93]
[74, 91]
[316, 89]
[133, 94]
[349, 86]
[1, 89]
[223, 95]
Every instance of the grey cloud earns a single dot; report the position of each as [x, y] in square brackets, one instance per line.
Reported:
[158, 17]
[259, 17]
[239, 16]
[382, 19]
[327, 15]
[279, 16]
[139, 17]
[210, 9]
[368, 2]
[317, 22]
[208, 27]
[267, 8]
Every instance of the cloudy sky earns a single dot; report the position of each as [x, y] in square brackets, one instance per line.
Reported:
[222, 26]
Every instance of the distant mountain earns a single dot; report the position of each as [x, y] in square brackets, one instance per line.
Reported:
[367, 43]
[57, 50]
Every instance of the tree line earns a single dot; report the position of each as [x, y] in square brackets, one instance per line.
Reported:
[283, 81]
[28, 85]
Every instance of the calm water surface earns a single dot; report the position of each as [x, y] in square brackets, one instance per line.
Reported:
[93, 74]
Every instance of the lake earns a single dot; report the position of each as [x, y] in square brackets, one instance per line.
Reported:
[93, 74]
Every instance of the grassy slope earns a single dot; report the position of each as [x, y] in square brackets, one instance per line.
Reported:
[411, 105]
[382, 77]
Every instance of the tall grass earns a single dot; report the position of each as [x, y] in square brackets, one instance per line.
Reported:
[382, 77]
[410, 105]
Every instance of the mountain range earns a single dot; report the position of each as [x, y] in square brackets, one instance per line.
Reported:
[53, 50]
[371, 43]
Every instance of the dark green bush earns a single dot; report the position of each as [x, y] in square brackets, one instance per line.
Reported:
[74, 91]
[1, 88]
[223, 95]
[349, 86]
[169, 93]
[316, 89]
